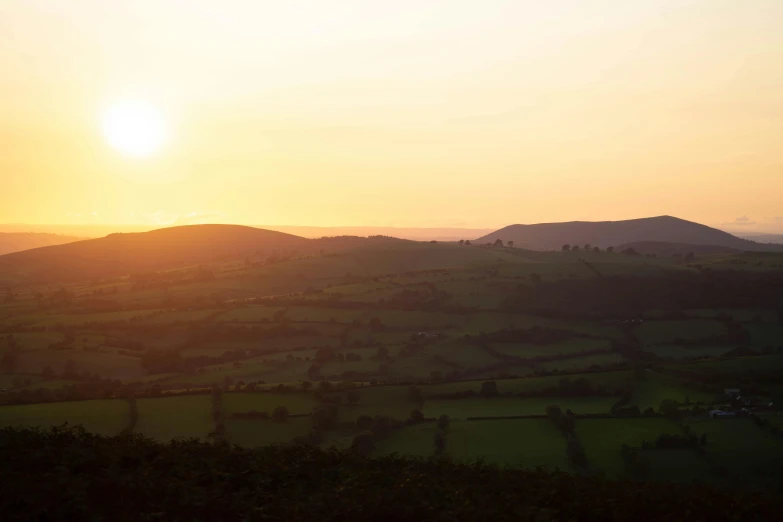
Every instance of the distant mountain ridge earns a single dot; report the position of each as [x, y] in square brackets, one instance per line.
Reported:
[122, 254]
[17, 241]
[666, 229]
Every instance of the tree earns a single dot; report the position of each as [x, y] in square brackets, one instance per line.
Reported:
[610, 249]
[416, 416]
[376, 324]
[596, 249]
[498, 242]
[461, 241]
[443, 422]
[566, 248]
[467, 242]
[588, 247]
[489, 389]
[306, 385]
[575, 248]
[324, 417]
[669, 407]
[510, 244]
[364, 443]
[440, 441]
[364, 422]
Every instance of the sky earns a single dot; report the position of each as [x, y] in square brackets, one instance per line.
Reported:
[407, 113]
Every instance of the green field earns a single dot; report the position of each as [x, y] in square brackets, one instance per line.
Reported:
[742, 449]
[678, 465]
[667, 332]
[765, 335]
[608, 380]
[464, 353]
[297, 403]
[47, 319]
[417, 440]
[179, 316]
[166, 418]
[518, 442]
[741, 315]
[416, 367]
[111, 365]
[104, 417]
[391, 401]
[503, 406]
[14, 380]
[751, 366]
[29, 340]
[255, 433]
[571, 346]
[603, 438]
[604, 360]
[688, 352]
[649, 393]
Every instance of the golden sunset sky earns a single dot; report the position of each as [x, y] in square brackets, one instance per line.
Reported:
[404, 113]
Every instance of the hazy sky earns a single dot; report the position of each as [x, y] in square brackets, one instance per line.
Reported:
[430, 113]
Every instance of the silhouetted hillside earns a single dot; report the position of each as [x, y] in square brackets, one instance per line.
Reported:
[17, 241]
[122, 254]
[552, 236]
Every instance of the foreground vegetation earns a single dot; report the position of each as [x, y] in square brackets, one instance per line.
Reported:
[71, 475]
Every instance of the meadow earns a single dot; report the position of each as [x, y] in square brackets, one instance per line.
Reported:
[603, 438]
[525, 443]
[105, 417]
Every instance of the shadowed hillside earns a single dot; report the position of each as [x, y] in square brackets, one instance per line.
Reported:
[176, 247]
[122, 254]
[16, 241]
[552, 236]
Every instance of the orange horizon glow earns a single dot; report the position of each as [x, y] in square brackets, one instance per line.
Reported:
[432, 114]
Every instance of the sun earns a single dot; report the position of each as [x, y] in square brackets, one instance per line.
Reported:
[134, 128]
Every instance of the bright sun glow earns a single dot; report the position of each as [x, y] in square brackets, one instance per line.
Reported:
[134, 128]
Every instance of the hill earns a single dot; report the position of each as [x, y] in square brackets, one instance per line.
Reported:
[123, 254]
[177, 247]
[17, 241]
[668, 229]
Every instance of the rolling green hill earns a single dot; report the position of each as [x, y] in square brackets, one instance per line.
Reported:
[551, 236]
